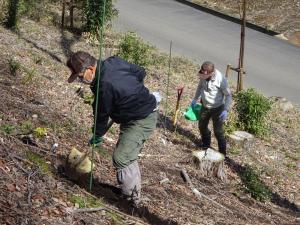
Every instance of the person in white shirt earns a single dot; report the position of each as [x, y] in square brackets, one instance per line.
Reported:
[215, 95]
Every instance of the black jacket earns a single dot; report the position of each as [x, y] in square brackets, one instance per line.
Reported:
[122, 94]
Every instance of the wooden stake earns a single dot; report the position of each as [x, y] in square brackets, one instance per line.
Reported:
[240, 83]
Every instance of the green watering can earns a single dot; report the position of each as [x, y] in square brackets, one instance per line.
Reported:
[192, 113]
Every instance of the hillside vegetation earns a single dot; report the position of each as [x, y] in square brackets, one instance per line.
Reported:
[38, 108]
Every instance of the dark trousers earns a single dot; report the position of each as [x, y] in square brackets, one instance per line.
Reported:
[214, 114]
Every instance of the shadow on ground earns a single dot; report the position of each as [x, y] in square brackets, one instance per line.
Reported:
[167, 124]
[112, 195]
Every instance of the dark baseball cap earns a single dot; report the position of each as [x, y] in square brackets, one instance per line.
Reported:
[77, 63]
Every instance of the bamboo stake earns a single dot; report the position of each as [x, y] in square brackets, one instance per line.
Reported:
[168, 83]
[101, 34]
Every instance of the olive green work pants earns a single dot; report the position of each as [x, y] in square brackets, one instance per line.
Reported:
[131, 140]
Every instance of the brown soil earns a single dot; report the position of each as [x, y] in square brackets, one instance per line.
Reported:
[281, 16]
[35, 190]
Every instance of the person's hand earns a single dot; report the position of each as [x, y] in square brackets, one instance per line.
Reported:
[96, 141]
[157, 97]
[223, 115]
[194, 103]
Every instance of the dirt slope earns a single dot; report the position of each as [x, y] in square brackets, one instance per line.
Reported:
[281, 16]
[35, 191]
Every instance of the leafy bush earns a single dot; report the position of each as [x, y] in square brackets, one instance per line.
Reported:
[252, 109]
[254, 185]
[134, 50]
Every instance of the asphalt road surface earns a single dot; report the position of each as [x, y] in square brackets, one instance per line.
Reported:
[272, 65]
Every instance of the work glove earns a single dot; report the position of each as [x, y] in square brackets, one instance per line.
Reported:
[194, 103]
[96, 141]
[223, 115]
[157, 97]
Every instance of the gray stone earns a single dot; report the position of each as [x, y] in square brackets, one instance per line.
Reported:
[240, 136]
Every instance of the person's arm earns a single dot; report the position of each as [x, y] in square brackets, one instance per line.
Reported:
[138, 71]
[227, 93]
[198, 91]
[105, 102]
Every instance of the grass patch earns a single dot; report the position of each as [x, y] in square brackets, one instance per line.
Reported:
[85, 202]
[255, 185]
[39, 161]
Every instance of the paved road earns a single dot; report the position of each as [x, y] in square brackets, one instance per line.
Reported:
[272, 65]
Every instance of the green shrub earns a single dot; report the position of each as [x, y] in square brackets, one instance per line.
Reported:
[254, 185]
[93, 10]
[134, 50]
[252, 109]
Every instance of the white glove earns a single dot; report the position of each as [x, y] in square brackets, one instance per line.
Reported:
[157, 97]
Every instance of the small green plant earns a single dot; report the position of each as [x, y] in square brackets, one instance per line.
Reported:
[40, 132]
[26, 127]
[14, 66]
[134, 50]
[7, 128]
[88, 99]
[39, 161]
[252, 109]
[254, 185]
[89, 202]
[30, 74]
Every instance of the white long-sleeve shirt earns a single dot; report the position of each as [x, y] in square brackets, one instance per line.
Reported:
[214, 92]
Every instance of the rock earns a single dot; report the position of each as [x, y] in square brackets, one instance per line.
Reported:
[240, 136]
[285, 106]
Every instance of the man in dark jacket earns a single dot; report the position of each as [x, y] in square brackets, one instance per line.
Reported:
[124, 98]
